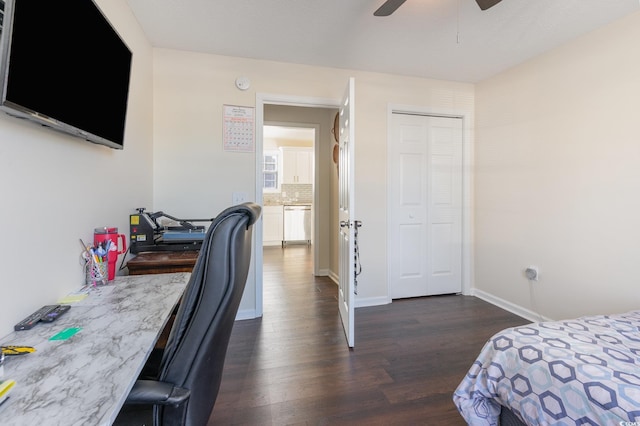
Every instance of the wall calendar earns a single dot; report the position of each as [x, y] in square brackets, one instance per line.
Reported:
[238, 127]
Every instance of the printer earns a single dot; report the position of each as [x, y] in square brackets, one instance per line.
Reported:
[147, 234]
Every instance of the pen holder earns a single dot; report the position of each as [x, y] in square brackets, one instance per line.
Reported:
[97, 272]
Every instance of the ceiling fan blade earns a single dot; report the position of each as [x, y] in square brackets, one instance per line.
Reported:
[486, 4]
[388, 7]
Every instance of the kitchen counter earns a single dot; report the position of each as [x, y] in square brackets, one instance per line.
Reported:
[288, 203]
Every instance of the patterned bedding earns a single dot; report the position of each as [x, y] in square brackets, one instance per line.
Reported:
[584, 371]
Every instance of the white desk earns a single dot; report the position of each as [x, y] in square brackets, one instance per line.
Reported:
[85, 379]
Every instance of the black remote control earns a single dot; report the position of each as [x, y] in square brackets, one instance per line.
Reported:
[31, 320]
[53, 315]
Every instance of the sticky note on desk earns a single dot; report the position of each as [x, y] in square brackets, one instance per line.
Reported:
[72, 298]
[65, 334]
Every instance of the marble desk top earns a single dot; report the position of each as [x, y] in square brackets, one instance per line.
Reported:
[85, 379]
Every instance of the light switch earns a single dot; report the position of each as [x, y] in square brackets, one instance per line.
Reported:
[238, 197]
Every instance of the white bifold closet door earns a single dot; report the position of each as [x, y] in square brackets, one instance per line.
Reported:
[425, 205]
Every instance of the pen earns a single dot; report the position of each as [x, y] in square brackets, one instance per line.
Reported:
[85, 247]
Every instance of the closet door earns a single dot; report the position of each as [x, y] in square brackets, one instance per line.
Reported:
[425, 205]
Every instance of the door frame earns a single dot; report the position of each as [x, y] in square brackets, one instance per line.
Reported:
[263, 99]
[467, 183]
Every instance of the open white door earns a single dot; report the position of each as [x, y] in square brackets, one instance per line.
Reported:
[346, 250]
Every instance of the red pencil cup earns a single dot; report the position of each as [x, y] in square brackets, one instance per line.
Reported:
[108, 237]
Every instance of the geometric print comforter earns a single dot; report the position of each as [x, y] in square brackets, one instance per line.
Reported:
[584, 371]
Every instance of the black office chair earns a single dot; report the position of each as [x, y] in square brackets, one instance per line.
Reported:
[185, 388]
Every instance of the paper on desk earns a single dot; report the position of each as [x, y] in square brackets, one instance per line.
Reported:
[82, 293]
[76, 296]
[72, 298]
[65, 334]
[102, 290]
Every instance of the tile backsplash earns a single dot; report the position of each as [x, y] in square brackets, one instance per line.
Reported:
[304, 191]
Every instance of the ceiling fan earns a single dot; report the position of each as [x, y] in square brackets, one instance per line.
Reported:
[390, 6]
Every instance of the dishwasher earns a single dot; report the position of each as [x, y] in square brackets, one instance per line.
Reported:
[297, 223]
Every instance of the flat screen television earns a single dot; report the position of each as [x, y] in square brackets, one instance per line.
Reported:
[64, 66]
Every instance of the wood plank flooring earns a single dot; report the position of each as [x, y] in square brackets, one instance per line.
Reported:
[293, 367]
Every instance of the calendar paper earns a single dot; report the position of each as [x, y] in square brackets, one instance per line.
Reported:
[238, 128]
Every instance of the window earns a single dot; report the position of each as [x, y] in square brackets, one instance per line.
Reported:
[270, 165]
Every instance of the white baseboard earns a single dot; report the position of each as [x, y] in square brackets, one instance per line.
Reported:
[323, 273]
[371, 301]
[246, 314]
[361, 303]
[508, 306]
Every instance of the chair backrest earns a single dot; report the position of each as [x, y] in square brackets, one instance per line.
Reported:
[197, 345]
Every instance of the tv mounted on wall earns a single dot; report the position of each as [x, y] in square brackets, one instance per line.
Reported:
[63, 65]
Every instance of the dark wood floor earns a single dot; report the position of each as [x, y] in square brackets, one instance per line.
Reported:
[293, 367]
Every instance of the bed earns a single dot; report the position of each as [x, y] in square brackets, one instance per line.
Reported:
[583, 371]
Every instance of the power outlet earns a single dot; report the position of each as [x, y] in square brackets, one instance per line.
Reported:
[238, 197]
[532, 273]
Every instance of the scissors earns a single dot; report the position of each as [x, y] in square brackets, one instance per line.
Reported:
[17, 350]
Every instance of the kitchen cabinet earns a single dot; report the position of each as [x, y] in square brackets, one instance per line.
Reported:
[272, 225]
[297, 165]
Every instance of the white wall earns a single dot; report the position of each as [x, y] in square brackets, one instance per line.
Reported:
[195, 177]
[56, 189]
[558, 177]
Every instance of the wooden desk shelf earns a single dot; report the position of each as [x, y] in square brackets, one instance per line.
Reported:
[162, 262]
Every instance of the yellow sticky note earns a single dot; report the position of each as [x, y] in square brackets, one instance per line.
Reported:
[72, 298]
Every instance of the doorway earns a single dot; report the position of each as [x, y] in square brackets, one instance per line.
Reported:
[298, 112]
[288, 183]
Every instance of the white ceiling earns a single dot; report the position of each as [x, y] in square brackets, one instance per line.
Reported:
[443, 39]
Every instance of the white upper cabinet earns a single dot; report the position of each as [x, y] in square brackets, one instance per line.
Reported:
[297, 165]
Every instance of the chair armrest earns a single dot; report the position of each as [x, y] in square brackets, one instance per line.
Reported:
[157, 393]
